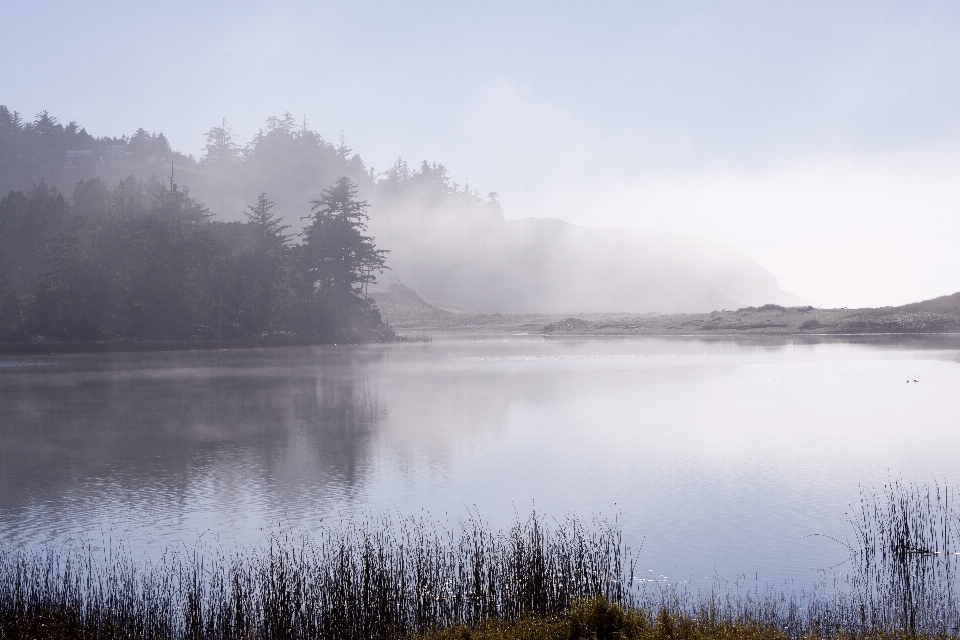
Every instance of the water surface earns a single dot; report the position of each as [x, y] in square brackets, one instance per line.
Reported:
[716, 457]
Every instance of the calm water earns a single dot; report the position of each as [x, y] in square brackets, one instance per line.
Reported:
[716, 457]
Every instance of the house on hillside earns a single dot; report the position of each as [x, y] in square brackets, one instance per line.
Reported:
[116, 155]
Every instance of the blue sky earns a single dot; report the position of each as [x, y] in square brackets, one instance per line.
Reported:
[822, 138]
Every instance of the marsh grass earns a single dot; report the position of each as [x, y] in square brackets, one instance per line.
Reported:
[601, 620]
[906, 560]
[539, 579]
[359, 580]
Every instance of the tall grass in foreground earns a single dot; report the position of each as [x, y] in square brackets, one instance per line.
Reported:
[379, 579]
[372, 580]
[906, 558]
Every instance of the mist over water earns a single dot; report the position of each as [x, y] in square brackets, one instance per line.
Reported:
[716, 457]
[284, 186]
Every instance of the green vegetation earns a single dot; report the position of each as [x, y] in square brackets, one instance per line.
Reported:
[601, 620]
[586, 620]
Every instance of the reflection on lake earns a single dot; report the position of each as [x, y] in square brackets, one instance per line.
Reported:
[717, 456]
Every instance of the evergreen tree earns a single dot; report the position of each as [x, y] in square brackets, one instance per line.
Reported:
[72, 294]
[145, 259]
[220, 151]
[27, 222]
[266, 264]
[337, 259]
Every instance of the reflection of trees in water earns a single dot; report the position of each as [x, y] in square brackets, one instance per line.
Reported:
[338, 416]
[165, 421]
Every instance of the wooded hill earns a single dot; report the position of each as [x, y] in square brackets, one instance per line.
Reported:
[145, 260]
[446, 240]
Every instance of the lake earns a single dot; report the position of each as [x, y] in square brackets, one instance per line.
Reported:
[719, 458]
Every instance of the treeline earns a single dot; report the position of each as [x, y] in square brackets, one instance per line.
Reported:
[93, 247]
[35, 150]
[146, 260]
[289, 159]
[286, 158]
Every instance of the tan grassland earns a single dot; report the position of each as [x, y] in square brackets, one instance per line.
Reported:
[405, 311]
[601, 620]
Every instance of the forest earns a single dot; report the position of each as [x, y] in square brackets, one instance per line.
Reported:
[144, 259]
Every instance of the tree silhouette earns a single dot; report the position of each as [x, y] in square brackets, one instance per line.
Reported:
[337, 259]
[220, 151]
[265, 263]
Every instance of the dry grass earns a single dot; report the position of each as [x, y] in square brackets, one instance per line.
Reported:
[601, 620]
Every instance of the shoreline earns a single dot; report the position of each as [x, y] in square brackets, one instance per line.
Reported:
[403, 309]
[126, 345]
[402, 321]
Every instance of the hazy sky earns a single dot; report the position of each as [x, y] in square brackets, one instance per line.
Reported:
[821, 137]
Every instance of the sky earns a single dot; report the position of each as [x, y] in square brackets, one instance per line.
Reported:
[822, 138]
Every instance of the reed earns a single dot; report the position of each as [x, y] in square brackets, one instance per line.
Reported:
[379, 579]
[362, 580]
[905, 560]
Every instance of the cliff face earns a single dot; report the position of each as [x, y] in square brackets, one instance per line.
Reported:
[550, 266]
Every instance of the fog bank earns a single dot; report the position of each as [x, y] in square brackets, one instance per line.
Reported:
[537, 265]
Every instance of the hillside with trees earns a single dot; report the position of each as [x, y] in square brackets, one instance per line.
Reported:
[145, 260]
[449, 242]
[62, 155]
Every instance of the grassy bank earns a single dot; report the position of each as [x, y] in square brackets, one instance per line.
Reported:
[602, 620]
[536, 580]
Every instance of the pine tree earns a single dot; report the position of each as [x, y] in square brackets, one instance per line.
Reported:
[220, 151]
[338, 260]
[265, 264]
